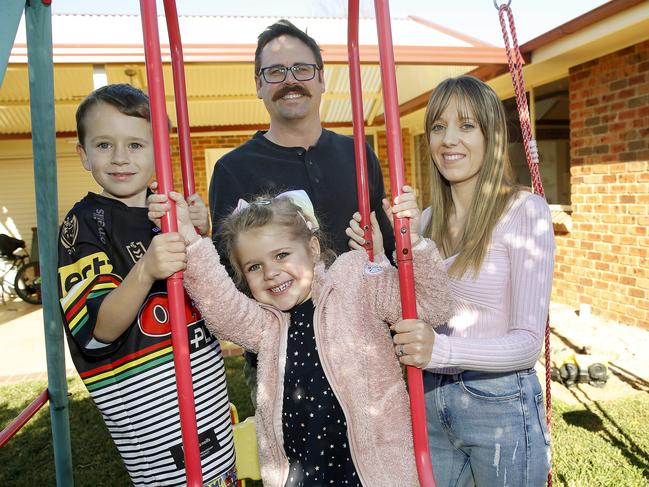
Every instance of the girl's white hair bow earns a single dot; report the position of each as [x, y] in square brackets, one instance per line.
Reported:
[298, 197]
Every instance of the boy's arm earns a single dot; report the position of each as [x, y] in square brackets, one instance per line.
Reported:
[86, 276]
[97, 302]
[165, 256]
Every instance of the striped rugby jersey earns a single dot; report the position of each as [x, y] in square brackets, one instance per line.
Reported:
[132, 380]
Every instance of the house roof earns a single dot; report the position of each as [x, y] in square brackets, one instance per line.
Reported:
[93, 38]
[219, 56]
[605, 29]
[608, 28]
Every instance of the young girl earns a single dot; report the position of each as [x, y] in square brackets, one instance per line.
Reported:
[332, 406]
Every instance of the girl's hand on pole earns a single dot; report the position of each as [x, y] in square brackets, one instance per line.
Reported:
[199, 215]
[413, 342]
[356, 238]
[158, 207]
[405, 206]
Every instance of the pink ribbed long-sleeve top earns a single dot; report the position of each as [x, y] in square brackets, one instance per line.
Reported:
[500, 315]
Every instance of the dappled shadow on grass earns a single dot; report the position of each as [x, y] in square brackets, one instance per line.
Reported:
[584, 419]
[596, 418]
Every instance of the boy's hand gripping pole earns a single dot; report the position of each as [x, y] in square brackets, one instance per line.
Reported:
[175, 289]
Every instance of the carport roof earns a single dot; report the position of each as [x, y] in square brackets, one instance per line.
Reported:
[219, 52]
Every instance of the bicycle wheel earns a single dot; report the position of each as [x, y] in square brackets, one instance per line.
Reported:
[28, 283]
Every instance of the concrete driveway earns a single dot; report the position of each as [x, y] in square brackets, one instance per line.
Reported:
[22, 343]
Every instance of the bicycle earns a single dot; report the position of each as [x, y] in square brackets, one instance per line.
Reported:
[19, 276]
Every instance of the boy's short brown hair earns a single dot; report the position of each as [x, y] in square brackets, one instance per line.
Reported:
[127, 99]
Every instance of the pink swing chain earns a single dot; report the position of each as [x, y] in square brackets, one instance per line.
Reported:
[515, 61]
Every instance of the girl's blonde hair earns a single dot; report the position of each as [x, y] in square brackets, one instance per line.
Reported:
[496, 182]
[265, 210]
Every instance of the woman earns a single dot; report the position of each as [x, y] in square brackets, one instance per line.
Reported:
[486, 419]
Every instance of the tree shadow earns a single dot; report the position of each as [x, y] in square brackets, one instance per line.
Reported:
[584, 419]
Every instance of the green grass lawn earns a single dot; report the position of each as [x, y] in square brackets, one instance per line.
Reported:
[596, 444]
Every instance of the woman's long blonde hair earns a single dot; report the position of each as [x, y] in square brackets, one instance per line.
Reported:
[495, 184]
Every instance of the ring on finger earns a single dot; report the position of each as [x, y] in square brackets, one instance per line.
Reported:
[401, 351]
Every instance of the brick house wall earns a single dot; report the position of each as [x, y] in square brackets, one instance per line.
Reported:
[603, 261]
[382, 154]
[199, 144]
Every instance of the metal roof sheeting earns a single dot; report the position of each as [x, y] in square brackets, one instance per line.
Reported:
[219, 70]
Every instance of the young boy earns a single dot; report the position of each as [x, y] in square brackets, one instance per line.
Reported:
[112, 266]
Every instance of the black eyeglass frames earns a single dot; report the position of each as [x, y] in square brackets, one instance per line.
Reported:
[278, 73]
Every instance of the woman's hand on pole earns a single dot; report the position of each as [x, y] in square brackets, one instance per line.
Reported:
[413, 342]
[406, 206]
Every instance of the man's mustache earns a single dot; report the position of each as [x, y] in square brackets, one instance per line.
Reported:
[301, 90]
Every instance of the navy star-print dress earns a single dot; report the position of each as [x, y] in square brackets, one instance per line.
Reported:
[314, 426]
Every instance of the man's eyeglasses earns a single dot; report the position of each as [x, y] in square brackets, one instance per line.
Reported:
[300, 71]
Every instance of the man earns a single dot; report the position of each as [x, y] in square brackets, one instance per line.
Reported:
[296, 152]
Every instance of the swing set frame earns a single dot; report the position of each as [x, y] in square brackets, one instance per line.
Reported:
[39, 41]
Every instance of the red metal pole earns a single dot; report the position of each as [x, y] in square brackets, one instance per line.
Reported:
[175, 289]
[402, 236]
[180, 91]
[21, 420]
[362, 187]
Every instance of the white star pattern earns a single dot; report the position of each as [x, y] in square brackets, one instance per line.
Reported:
[316, 422]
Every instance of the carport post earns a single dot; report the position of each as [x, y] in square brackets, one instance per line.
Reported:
[41, 101]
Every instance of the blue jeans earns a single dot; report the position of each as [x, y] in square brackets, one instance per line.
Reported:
[487, 429]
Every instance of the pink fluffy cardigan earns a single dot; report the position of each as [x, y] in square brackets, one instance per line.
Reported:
[354, 300]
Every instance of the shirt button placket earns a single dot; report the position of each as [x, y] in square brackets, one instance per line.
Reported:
[311, 169]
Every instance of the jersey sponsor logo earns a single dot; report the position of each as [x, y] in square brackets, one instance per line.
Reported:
[85, 268]
[69, 232]
[154, 316]
[208, 443]
[98, 216]
[136, 250]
